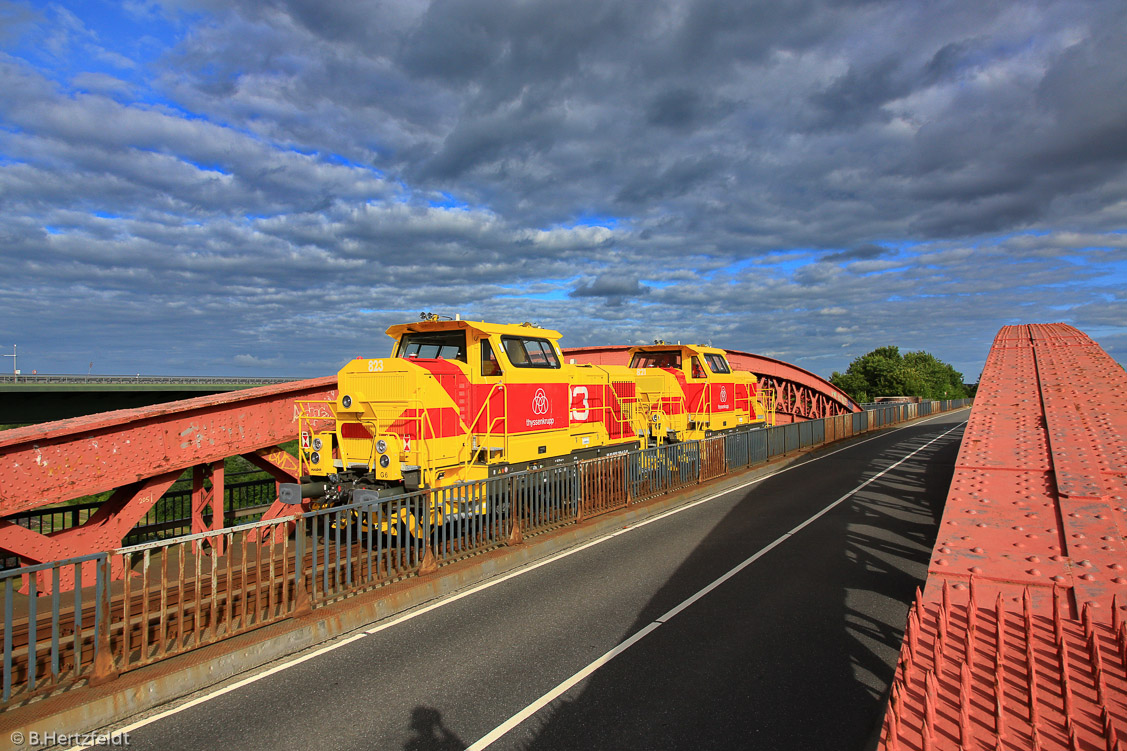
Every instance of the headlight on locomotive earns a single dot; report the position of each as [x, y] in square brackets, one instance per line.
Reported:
[346, 401]
[381, 448]
[385, 460]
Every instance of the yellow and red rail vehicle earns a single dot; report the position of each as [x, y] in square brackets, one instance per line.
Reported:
[467, 400]
[690, 392]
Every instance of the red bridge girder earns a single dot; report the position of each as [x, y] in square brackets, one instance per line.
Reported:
[138, 454]
[1019, 639]
[799, 394]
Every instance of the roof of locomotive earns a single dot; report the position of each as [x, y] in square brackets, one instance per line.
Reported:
[666, 347]
[504, 329]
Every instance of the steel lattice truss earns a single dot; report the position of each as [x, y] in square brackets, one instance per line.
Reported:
[799, 394]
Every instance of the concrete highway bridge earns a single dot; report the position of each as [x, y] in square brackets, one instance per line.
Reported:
[756, 590]
[41, 397]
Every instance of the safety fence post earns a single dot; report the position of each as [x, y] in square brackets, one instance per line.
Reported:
[515, 535]
[105, 666]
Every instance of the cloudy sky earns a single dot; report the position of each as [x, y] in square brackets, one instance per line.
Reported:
[243, 187]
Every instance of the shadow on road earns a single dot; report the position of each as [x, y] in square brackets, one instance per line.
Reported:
[796, 652]
[429, 734]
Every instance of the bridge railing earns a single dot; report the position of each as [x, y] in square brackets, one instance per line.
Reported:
[180, 594]
[171, 516]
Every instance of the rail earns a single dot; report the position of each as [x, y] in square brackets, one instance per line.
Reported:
[184, 593]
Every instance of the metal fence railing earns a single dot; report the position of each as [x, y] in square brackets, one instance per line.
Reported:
[171, 516]
[169, 596]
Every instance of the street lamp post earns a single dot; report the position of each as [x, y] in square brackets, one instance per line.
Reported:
[15, 372]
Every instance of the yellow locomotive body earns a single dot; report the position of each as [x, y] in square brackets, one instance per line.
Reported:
[690, 392]
[466, 400]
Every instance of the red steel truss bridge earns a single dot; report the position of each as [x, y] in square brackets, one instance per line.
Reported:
[1017, 641]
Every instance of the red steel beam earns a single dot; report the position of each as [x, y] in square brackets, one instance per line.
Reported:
[58, 461]
[139, 453]
[1019, 639]
[800, 394]
[104, 530]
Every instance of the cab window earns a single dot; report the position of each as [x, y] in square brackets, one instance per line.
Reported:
[433, 345]
[527, 352]
[717, 363]
[489, 364]
[698, 371]
[656, 359]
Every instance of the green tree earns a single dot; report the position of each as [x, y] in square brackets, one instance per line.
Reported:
[885, 372]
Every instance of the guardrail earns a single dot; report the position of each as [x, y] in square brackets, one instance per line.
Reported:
[180, 594]
[171, 516]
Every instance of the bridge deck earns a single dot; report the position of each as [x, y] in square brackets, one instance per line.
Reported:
[728, 622]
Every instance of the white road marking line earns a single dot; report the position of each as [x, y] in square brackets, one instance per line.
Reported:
[532, 567]
[552, 695]
[499, 731]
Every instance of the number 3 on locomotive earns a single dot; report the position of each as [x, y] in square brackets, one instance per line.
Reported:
[375, 366]
[580, 408]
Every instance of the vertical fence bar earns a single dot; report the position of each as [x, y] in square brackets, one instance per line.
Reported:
[145, 562]
[326, 523]
[101, 626]
[370, 521]
[181, 576]
[197, 585]
[54, 624]
[77, 620]
[244, 585]
[8, 620]
[339, 521]
[162, 619]
[299, 560]
[32, 622]
[229, 558]
[126, 608]
[213, 593]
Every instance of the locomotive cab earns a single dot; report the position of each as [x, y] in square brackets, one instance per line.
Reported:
[692, 392]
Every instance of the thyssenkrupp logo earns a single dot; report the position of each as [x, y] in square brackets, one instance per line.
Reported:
[540, 404]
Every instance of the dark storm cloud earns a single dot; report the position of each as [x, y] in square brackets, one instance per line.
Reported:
[613, 288]
[289, 177]
[862, 253]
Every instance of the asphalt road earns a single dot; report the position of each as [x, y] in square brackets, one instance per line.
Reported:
[793, 651]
